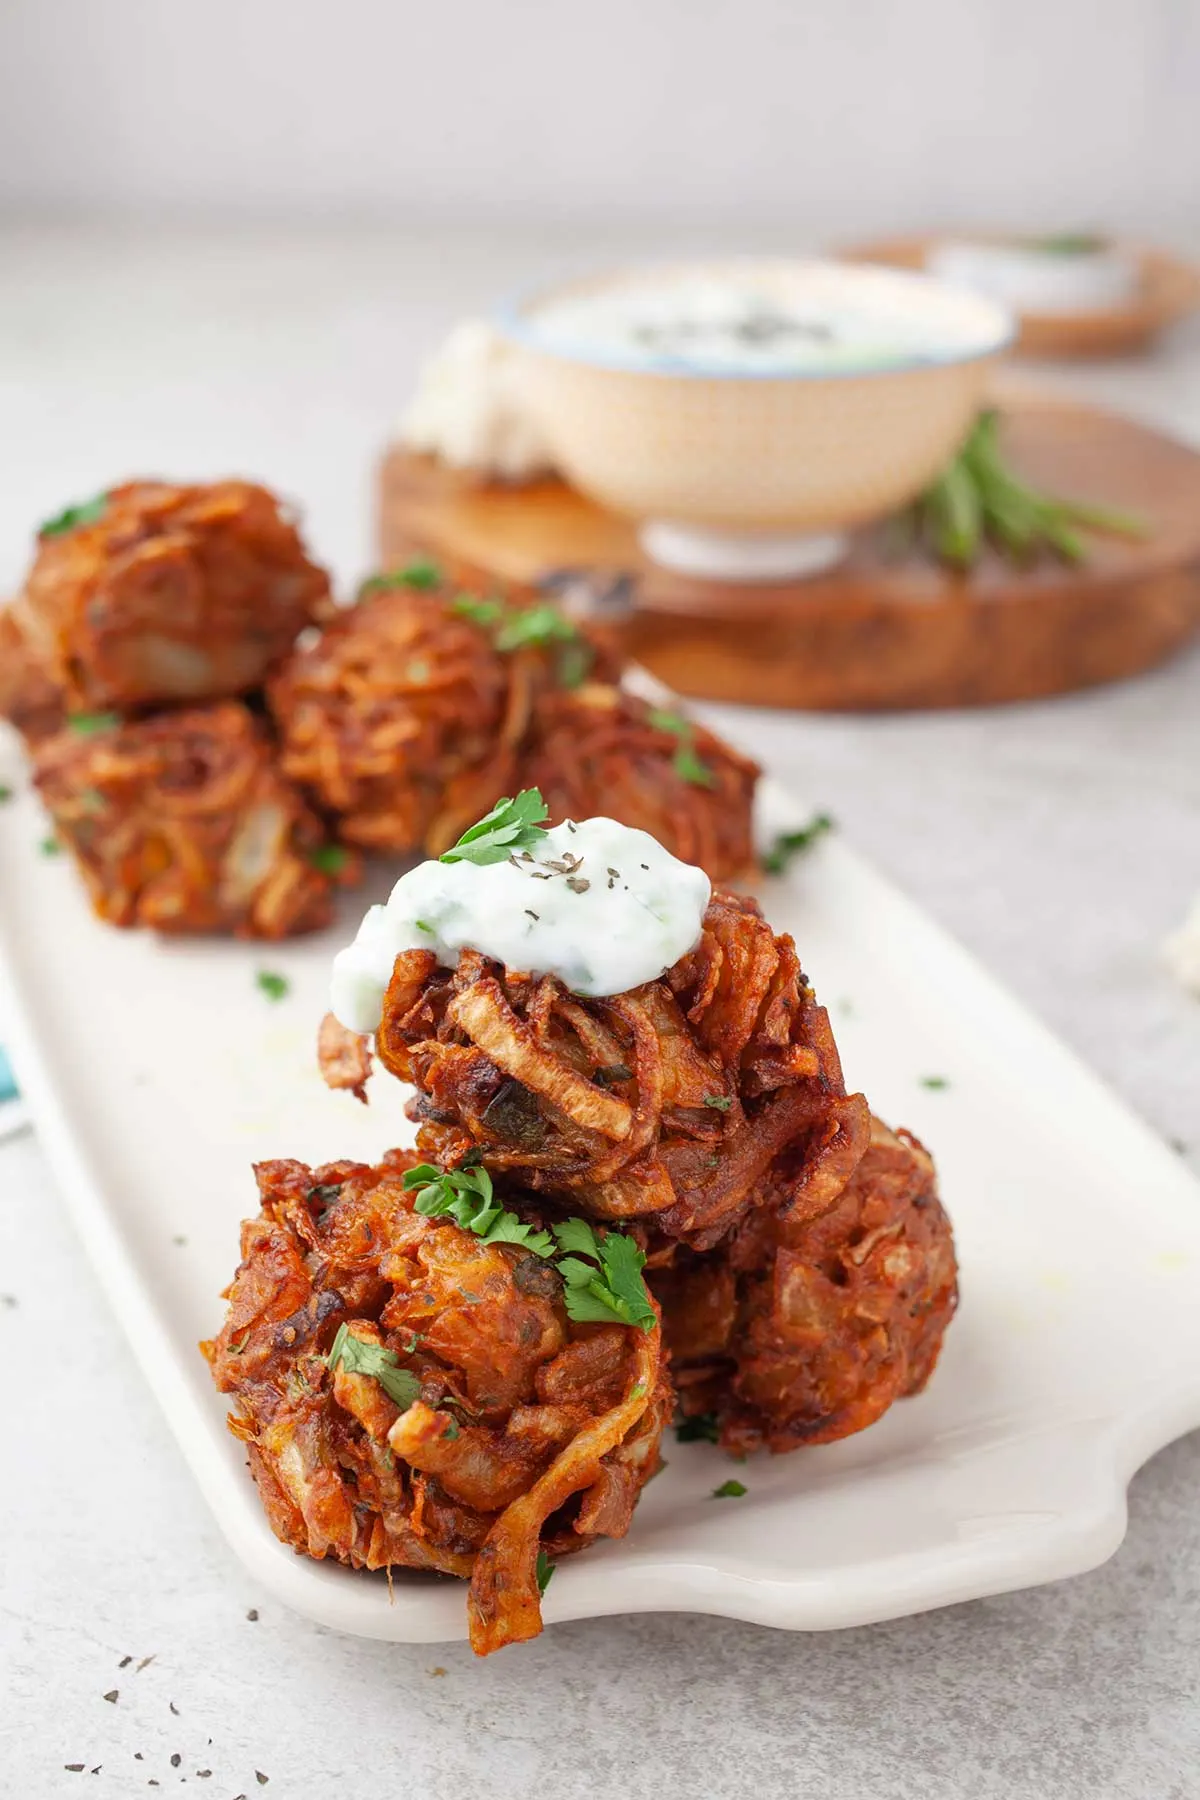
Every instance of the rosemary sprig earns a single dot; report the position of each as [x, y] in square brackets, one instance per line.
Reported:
[978, 500]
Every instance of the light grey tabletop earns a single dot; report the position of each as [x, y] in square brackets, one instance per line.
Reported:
[1059, 841]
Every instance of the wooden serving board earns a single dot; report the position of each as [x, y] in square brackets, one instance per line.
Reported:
[875, 633]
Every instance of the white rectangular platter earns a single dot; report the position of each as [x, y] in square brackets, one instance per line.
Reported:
[158, 1072]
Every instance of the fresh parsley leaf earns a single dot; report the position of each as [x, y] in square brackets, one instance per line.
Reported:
[935, 1081]
[510, 826]
[50, 846]
[730, 1490]
[577, 1238]
[360, 1356]
[421, 575]
[329, 859]
[86, 513]
[793, 843]
[545, 1569]
[6, 792]
[574, 663]
[466, 1196]
[535, 627]
[719, 1102]
[686, 763]
[615, 1290]
[478, 610]
[674, 722]
[88, 724]
[451, 1431]
[272, 985]
[700, 1428]
[692, 768]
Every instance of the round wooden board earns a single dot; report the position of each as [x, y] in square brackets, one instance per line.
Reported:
[1169, 290]
[873, 634]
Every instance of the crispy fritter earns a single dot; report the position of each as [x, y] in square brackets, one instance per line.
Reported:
[29, 696]
[182, 821]
[677, 1103]
[169, 594]
[526, 1431]
[407, 717]
[800, 1331]
[402, 719]
[601, 750]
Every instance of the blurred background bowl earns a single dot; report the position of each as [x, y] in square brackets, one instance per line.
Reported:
[749, 471]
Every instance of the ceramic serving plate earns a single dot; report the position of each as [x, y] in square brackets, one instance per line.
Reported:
[157, 1072]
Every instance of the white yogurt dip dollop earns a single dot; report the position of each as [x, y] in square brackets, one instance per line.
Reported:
[601, 905]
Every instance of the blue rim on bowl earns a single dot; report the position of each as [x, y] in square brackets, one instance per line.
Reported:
[512, 318]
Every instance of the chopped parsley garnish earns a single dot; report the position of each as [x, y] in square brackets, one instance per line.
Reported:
[730, 1490]
[794, 843]
[531, 627]
[86, 513]
[466, 1196]
[720, 1102]
[536, 626]
[692, 768]
[50, 846]
[329, 859]
[360, 1356]
[602, 1276]
[613, 1290]
[88, 724]
[421, 575]
[510, 826]
[545, 1569]
[686, 763]
[272, 985]
[700, 1428]
[478, 610]
[6, 792]
[935, 1081]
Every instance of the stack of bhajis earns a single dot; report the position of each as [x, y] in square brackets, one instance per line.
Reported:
[216, 740]
[674, 1175]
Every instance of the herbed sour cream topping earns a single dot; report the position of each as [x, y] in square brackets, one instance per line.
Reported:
[601, 905]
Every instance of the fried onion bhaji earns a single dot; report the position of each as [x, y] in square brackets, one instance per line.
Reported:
[474, 1426]
[601, 750]
[30, 698]
[676, 1104]
[182, 821]
[406, 717]
[155, 594]
[801, 1330]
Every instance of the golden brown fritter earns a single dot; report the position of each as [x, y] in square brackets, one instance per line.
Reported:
[401, 719]
[155, 594]
[182, 821]
[598, 750]
[801, 1330]
[675, 1104]
[29, 696]
[406, 718]
[500, 1428]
